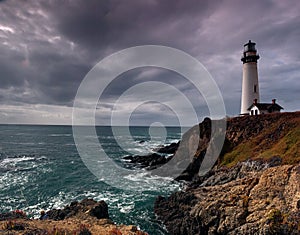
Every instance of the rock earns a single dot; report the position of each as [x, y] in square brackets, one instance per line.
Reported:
[153, 160]
[192, 169]
[133, 228]
[149, 161]
[175, 209]
[275, 161]
[85, 231]
[17, 214]
[56, 214]
[94, 209]
[250, 198]
[100, 211]
[169, 149]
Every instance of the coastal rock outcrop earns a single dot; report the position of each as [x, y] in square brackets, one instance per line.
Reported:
[87, 207]
[151, 161]
[168, 149]
[87, 217]
[247, 137]
[251, 198]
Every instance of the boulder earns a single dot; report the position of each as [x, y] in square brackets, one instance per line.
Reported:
[80, 209]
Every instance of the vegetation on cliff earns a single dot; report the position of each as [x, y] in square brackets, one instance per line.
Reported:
[263, 136]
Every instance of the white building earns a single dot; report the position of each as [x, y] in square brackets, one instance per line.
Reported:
[264, 108]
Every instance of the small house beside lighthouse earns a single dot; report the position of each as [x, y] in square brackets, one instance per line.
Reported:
[264, 108]
[250, 88]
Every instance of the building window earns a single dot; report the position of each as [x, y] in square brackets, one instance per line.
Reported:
[255, 89]
[252, 112]
[256, 112]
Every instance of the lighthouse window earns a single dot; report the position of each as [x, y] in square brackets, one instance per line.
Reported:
[255, 89]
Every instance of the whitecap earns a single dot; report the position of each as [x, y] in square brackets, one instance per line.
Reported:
[8, 161]
[59, 135]
[126, 209]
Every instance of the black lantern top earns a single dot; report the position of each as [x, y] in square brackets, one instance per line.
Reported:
[249, 54]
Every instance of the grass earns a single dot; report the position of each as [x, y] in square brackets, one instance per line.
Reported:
[281, 138]
[288, 148]
[241, 153]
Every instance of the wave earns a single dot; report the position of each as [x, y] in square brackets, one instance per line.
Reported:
[15, 160]
[59, 135]
[21, 164]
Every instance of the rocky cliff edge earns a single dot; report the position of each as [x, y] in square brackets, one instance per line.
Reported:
[253, 189]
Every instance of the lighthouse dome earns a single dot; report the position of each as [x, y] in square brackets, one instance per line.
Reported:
[250, 46]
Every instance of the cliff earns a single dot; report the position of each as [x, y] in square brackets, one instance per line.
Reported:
[253, 189]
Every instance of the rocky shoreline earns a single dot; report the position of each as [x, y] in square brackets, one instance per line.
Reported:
[254, 187]
[79, 218]
[254, 197]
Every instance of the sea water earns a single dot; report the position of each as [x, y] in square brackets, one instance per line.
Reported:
[40, 169]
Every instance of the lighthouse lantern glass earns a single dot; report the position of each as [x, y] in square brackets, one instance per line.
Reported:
[249, 47]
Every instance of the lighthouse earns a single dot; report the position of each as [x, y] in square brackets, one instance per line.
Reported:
[250, 88]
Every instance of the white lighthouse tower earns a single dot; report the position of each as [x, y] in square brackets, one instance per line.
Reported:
[250, 89]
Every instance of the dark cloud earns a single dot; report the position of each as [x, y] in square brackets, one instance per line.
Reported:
[47, 47]
[112, 25]
[11, 69]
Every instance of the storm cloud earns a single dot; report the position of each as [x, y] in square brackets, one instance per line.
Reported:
[47, 48]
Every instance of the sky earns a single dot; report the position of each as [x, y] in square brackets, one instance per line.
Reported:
[48, 47]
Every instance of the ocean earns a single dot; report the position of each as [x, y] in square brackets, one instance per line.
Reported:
[40, 169]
